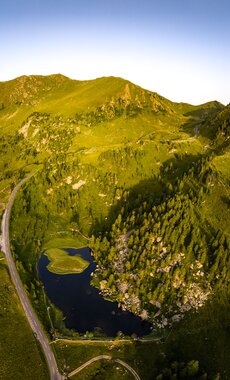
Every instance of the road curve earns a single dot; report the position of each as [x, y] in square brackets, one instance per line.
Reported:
[100, 357]
[30, 314]
[137, 377]
[106, 357]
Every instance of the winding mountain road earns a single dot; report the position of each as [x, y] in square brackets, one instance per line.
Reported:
[30, 314]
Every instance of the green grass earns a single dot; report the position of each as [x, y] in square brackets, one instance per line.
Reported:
[104, 370]
[145, 358]
[65, 242]
[62, 263]
[222, 164]
[21, 356]
[204, 336]
[215, 209]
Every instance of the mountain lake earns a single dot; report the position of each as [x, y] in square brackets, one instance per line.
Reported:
[82, 305]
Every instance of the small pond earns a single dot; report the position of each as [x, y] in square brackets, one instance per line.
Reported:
[83, 307]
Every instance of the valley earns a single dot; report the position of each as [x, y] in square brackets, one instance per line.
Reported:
[145, 184]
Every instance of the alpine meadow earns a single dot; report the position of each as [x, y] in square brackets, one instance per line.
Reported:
[144, 183]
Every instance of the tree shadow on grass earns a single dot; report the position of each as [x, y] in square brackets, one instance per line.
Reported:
[153, 191]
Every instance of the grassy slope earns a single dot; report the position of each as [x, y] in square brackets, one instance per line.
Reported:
[65, 242]
[21, 358]
[158, 136]
[143, 357]
[61, 95]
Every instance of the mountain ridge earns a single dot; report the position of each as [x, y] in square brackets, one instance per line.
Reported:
[90, 101]
[56, 80]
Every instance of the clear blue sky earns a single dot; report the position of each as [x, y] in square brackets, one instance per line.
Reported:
[178, 48]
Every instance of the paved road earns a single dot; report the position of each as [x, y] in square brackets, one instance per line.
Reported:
[77, 370]
[95, 340]
[30, 314]
[106, 357]
[137, 377]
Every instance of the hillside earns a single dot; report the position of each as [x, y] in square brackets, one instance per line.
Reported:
[146, 180]
[20, 355]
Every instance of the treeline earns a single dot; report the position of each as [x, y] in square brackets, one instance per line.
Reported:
[185, 370]
[160, 260]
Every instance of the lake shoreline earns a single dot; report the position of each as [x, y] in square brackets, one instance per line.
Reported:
[84, 308]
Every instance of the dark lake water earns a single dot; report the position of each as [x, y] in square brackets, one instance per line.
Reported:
[83, 307]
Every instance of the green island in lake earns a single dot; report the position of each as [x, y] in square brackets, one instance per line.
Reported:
[62, 263]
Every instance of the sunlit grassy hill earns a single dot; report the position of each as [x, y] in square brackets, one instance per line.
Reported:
[57, 94]
[27, 90]
[21, 357]
[43, 117]
[96, 113]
